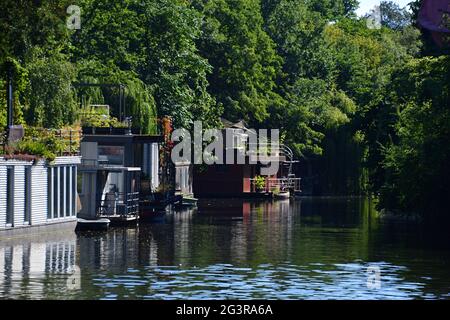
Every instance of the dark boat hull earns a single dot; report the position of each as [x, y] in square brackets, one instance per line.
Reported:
[122, 221]
[92, 225]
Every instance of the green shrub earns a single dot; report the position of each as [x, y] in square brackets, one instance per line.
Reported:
[93, 117]
[260, 183]
[37, 148]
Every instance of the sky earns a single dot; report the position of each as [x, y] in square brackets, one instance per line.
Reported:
[366, 5]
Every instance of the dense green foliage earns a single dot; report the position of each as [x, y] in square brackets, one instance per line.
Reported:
[365, 109]
[417, 161]
[32, 43]
[150, 47]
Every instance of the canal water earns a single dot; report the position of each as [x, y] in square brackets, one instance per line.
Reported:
[234, 249]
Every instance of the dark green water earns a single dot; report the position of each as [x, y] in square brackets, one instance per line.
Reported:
[230, 249]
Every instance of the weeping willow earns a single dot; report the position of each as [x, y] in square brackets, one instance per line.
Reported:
[140, 103]
[138, 98]
[90, 95]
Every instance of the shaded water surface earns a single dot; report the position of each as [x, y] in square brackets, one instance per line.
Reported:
[297, 249]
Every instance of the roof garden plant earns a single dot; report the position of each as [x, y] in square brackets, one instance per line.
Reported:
[260, 183]
[41, 143]
[99, 118]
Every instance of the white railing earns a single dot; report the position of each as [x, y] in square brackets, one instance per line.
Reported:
[271, 184]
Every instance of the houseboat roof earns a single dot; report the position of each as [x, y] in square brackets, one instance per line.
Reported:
[118, 136]
[119, 168]
[93, 166]
[241, 124]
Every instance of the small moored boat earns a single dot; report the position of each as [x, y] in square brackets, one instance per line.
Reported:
[121, 220]
[189, 201]
[100, 224]
[283, 195]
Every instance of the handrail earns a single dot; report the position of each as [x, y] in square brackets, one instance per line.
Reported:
[123, 204]
[282, 183]
[69, 139]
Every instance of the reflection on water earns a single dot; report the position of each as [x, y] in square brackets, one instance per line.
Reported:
[36, 268]
[309, 249]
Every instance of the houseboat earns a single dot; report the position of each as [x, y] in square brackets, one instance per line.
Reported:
[37, 195]
[122, 177]
[184, 176]
[244, 179]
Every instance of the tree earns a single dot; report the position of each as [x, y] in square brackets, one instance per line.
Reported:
[393, 16]
[49, 99]
[313, 102]
[174, 65]
[297, 32]
[32, 32]
[334, 9]
[26, 25]
[151, 44]
[417, 160]
[245, 64]
[365, 60]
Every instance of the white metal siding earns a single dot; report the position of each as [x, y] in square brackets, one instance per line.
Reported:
[39, 196]
[2, 196]
[67, 160]
[2, 266]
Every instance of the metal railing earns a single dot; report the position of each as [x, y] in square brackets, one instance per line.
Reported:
[97, 163]
[118, 204]
[66, 142]
[271, 184]
[70, 140]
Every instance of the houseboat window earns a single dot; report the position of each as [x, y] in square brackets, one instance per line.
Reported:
[49, 193]
[68, 191]
[55, 191]
[74, 190]
[183, 174]
[183, 178]
[27, 211]
[111, 155]
[62, 191]
[10, 195]
[178, 178]
[186, 179]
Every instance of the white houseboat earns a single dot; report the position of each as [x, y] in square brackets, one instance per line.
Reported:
[35, 194]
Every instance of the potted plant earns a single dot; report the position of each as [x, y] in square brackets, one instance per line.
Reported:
[260, 184]
[276, 191]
